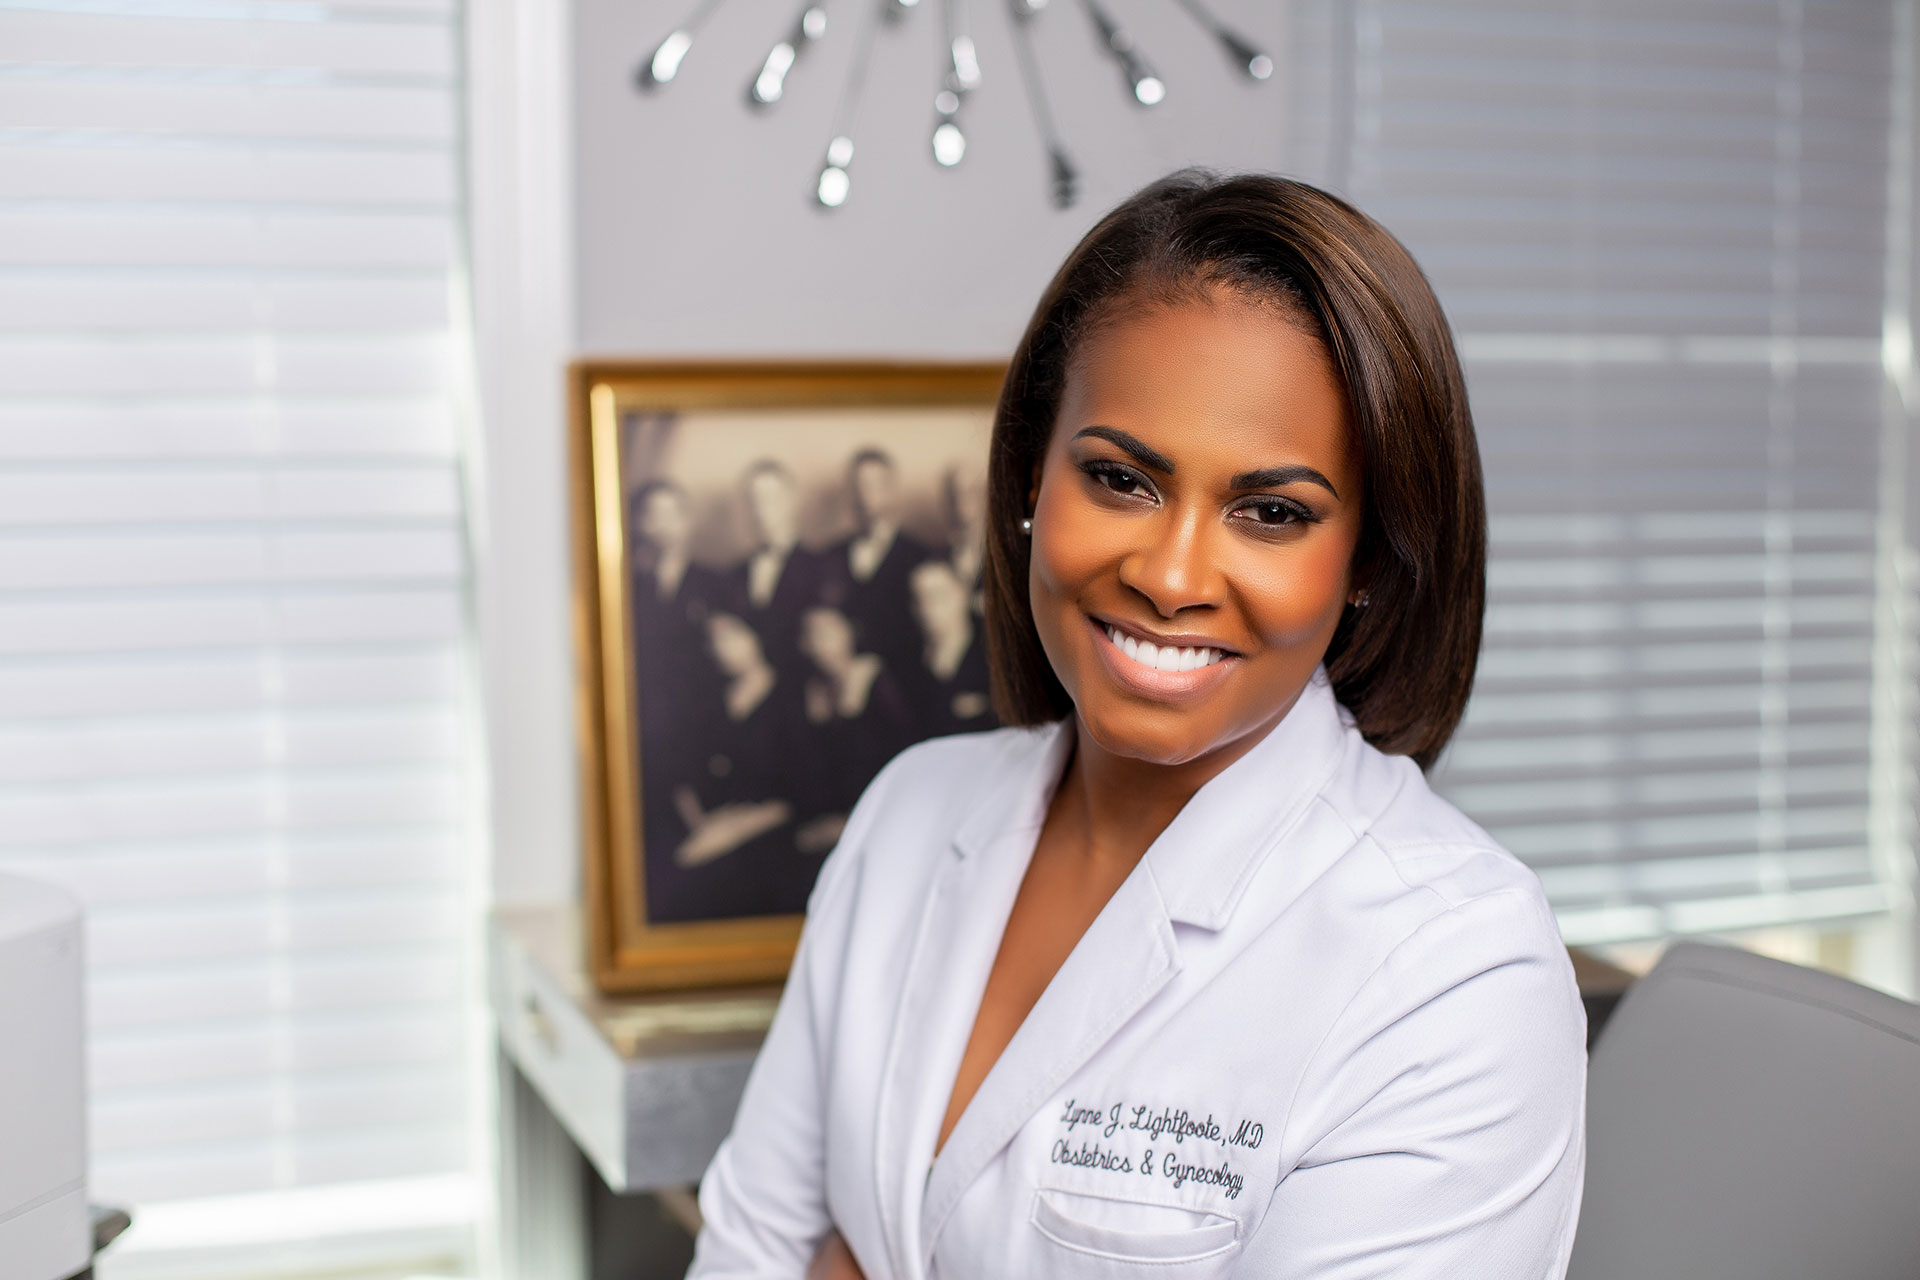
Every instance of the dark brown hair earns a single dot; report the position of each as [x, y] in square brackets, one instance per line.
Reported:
[1404, 664]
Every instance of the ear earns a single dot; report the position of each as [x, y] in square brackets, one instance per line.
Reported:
[1033, 487]
[1363, 571]
[1360, 577]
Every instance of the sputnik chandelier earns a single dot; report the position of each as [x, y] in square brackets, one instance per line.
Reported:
[959, 76]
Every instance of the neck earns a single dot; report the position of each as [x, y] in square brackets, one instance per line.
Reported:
[1120, 804]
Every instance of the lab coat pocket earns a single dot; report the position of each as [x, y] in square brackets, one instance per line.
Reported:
[1132, 1233]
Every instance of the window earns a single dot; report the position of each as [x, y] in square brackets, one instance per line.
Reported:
[234, 707]
[1663, 233]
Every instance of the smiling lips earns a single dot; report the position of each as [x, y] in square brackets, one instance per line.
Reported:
[1162, 672]
[1162, 657]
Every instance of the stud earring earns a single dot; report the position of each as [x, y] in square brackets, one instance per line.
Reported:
[1359, 600]
[1026, 525]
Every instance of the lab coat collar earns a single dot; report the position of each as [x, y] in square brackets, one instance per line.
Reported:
[1016, 801]
[1207, 856]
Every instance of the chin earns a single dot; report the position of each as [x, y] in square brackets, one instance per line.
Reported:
[1150, 735]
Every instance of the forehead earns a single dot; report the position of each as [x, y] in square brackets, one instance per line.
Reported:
[1214, 381]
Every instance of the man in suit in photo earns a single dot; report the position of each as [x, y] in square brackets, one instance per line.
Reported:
[780, 578]
[677, 689]
[877, 562]
[949, 683]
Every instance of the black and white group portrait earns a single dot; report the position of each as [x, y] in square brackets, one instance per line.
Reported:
[805, 597]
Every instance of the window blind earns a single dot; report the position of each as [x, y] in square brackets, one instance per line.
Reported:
[1660, 230]
[233, 694]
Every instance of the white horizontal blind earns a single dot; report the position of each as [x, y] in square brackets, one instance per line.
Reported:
[233, 712]
[1658, 229]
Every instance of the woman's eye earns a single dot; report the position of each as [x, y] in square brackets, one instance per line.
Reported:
[1271, 511]
[1118, 479]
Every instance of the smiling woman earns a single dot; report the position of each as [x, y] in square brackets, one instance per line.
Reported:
[1343, 342]
[1155, 545]
[1188, 974]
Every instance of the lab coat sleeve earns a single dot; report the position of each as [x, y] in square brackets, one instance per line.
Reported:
[763, 1199]
[1439, 1130]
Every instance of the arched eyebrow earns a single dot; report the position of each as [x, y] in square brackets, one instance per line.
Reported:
[1270, 477]
[1143, 453]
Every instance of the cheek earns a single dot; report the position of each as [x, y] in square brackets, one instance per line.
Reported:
[1069, 555]
[1297, 598]
[1070, 546]
[1290, 598]
[1300, 590]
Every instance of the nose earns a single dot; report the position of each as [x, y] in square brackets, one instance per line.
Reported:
[1174, 566]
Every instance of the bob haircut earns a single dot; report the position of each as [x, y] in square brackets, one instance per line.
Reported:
[1403, 665]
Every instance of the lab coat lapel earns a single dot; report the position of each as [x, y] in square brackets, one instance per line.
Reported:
[958, 935]
[1208, 855]
[1126, 956]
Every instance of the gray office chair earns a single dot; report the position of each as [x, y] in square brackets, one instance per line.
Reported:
[1755, 1120]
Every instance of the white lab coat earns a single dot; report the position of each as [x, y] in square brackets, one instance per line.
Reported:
[1326, 1028]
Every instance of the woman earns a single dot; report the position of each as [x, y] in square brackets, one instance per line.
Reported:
[873, 563]
[1192, 976]
[952, 671]
[859, 717]
[731, 781]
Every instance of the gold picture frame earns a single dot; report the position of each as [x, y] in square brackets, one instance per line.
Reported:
[867, 435]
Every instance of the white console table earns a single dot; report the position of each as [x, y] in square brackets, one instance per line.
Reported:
[644, 1087]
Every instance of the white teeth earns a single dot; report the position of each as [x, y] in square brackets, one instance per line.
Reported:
[1162, 657]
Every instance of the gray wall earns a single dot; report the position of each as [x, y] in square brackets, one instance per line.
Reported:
[696, 233]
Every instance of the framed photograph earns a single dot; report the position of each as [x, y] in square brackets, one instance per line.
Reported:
[777, 589]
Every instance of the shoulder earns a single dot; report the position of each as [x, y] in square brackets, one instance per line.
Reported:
[1417, 845]
[1445, 950]
[1420, 901]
